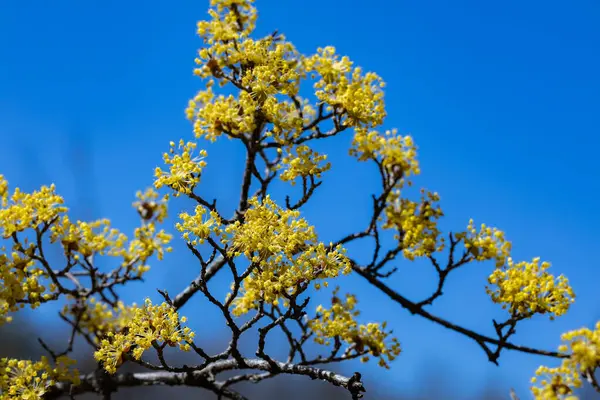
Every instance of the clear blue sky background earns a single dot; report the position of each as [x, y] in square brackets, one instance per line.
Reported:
[502, 98]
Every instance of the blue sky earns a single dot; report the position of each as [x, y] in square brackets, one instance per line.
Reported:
[501, 98]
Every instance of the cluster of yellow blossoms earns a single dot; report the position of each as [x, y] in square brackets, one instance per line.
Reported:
[21, 279]
[97, 318]
[347, 89]
[559, 383]
[198, 227]
[26, 216]
[285, 251]
[487, 244]
[21, 211]
[231, 19]
[303, 164]
[150, 207]
[526, 288]
[148, 326]
[87, 238]
[396, 153]
[97, 237]
[25, 379]
[282, 248]
[340, 321]
[416, 224]
[184, 169]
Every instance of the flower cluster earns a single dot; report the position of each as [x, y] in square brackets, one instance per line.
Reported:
[150, 207]
[87, 238]
[97, 237]
[149, 325]
[526, 288]
[284, 251]
[25, 379]
[346, 89]
[559, 383]
[147, 242]
[274, 67]
[214, 115]
[21, 278]
[269, 69]
[20, 282]
[21, 211]
[303, 164]
[487, 244]
[184, 169]
[97, 318]
[396, 153]
[261, 68]
[339, 321]
[196, 228]
[416, 224]
[231, 19]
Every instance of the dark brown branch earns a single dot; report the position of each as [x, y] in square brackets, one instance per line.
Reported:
[194, 286]
[482, 340]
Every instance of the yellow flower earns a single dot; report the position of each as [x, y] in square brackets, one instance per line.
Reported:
[487, 244]
[527, 288]
[339, 321]
[25, 379]
[285, 252]
[184, 169]
[303, 164]
[145, 325]
[416, 224]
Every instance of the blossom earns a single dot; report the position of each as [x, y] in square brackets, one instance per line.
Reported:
[146, 325]
[31, 380]
[339, 321]
[184, 169]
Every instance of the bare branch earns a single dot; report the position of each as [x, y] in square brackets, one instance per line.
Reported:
[203, 378]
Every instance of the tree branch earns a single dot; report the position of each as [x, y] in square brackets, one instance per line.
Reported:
[204, 378]
[482, 340]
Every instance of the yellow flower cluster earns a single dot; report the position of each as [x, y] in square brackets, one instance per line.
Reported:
[196, 228]
[397, 153]
[97, 237]
[216, 115]
[147, 241]
[21, 211]
[87, 238]
[274, 67]
[20, 280]
[231, 19]
[527, 288]
[25, 379]
[347, 89]
[558, 383]
[303, 164]
[487, 244]
[184, 169]
[149, 325]
[3, 191]
[150, 207]
[340, 321]
[98, 318]
[285, 250]
[286, 119]
[416, 224]
[269, 69]
[268, 232]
